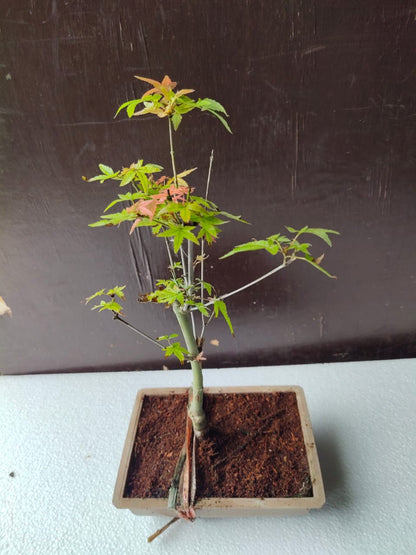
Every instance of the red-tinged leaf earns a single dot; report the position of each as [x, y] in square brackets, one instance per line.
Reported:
[184, 91]
[148, 207]
[163, 87]
[168, 83]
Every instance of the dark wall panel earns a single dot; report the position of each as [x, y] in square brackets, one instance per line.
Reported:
[321, 97]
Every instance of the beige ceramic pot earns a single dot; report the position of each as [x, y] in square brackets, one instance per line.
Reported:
[226, 507]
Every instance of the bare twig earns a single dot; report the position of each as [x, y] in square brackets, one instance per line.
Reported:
[116, 316]
[161, 530]
[211, 160]
[171, 263]
[247, 285]
[172, 154]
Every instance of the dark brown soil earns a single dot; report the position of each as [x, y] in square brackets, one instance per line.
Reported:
[254, 448]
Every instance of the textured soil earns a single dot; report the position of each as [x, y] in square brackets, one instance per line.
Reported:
[254, 447]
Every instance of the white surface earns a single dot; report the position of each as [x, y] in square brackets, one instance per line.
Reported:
[62, 436]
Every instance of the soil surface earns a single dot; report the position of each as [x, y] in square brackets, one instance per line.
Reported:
[254, 447]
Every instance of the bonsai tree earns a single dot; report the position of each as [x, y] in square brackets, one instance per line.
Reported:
[187, 223]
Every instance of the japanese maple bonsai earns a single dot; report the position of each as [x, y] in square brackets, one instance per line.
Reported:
[187, 223]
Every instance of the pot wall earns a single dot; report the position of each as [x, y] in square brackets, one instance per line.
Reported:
[231, 507]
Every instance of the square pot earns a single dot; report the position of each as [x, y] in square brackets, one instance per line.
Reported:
[225, 507]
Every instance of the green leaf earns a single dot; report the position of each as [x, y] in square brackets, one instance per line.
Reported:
[222, 120]
[207, 286]
[109, 305]
[319, 232]
[116, 291]
[101, 178]
[121, 198]
[97, 294]
[176, 350]
[168, 292]
[186, 172]
[253, 246]
[232, 217]
[114, 219]
[106, 169]
[300, 247]
[130, 107]
[185, 214]
[203, 202]
[176, 120]
[210, 104]
[272, 244]
[151, 168]
[220, 306]
[167, 337]
[179, 234]
[292, 230]
[322, 233]
[184, 104]
[127, 178]
[209, 225]
[202, 309]
[317, 266]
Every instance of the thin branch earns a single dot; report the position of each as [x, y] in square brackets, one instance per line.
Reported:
[193, 324]
[172, 266]
[206, 323]
[190, 265]
[141, 333]
[191, 278]
[172, 154]
[247, 285]
[202, 283]
[211, 160]
[184, 272]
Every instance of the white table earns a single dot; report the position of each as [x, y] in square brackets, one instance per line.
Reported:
[61, 438]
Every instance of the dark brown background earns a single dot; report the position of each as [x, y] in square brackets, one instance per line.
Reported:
[321, 97]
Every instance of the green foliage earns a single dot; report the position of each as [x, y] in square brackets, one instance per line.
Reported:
[168, 292]
[111, 304]
[176, 350]
[322, 233]
[179, 233]
[184, 221]
[173, 349]
[220, 307]
[162, 101]
[290, 248]
[167, 205]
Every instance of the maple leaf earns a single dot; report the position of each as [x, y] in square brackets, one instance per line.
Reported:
[178, 193]
[161, 179]
[163, 87]
[160, 112]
